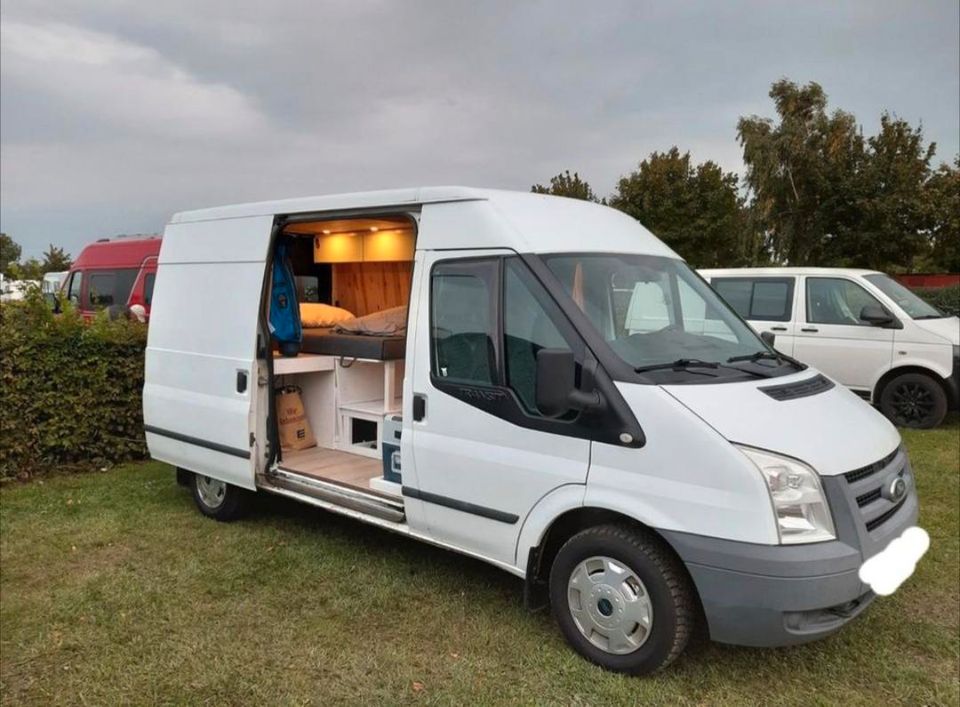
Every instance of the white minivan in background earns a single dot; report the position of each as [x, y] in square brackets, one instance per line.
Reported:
[533, 381]
[860, 327]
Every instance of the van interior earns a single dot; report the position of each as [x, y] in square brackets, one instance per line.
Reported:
[353, 279]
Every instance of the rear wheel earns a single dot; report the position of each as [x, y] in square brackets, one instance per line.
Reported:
[622, 599]
[914, 400]
[218, 499]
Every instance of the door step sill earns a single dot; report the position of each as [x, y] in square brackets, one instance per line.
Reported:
[354, 499]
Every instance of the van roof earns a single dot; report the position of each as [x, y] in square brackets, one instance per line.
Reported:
[711, 272]
[335, 202]
[117, 253]
[522, 221]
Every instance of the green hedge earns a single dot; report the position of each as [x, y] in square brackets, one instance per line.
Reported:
[69, 392]
[946, 299]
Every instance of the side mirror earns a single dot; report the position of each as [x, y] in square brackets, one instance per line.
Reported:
[556, 389]
[876, 315]
[768, 338]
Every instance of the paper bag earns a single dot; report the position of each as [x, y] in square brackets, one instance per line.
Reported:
[295, 432]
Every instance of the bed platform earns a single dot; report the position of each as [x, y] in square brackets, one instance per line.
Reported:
[328, 343]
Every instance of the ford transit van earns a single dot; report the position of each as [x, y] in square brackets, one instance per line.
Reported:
[533, 381]
[860, 327]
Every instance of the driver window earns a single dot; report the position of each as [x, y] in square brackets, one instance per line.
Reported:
[527, 328]
[836, 301]
[463, 321]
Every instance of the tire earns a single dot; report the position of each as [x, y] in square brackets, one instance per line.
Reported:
[647, 609]
[914, 400]
[219, 500]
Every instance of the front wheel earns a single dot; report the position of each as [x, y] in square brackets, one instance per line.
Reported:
[218, 499]
[622, 599]
[914, 400]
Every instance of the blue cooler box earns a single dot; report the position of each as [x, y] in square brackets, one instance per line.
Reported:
[390, 446]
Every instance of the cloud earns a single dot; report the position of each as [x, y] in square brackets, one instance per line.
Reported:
[116, 113]
[131, 87]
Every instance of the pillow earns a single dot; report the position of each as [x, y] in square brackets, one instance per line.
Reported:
[314, 314]
[389, 322]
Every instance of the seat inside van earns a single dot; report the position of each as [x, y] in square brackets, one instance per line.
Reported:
[353, 279]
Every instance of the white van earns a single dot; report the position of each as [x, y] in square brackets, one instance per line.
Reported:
[637, 478]
[860, 327]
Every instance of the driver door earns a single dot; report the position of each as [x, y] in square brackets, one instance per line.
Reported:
[483, 455]
[832, 338]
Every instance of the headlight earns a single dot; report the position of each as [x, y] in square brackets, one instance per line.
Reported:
[803, 515]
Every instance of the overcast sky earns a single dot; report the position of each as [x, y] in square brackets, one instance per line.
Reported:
[117, 114]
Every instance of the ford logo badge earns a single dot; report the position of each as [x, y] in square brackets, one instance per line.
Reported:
[896, 490]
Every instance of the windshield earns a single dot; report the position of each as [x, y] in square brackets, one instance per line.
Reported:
[910, 303]
[654, 310]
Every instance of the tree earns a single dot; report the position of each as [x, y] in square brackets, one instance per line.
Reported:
[943, 203]
[695, 209]
[29, 269]
[564, 184]
[796, 170]
[822, 194]
[56, 260]
[9, 253]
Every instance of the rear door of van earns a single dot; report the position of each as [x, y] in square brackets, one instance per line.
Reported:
[200, 391]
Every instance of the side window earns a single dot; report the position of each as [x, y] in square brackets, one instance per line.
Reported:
[527, 328]
[73, 291]
[109, 287]
[148, 281]
[100, 289]
[772, 300]
[765, 299]
[737, 294]
[836, 301]
[463, 300]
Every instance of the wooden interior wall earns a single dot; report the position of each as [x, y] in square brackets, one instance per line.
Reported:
[364, 288]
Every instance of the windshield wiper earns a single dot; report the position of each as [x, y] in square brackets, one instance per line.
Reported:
[775, 355]
[680, 364]
[690, 364]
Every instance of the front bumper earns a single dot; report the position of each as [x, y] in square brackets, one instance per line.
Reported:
[780, 595]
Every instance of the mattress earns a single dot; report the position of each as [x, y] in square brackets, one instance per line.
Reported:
[328, 343]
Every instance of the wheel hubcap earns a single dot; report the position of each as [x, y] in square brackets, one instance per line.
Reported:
[609, 605]
[211, 491]
[912, 402]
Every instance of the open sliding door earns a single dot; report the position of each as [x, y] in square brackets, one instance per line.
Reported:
[200, 399]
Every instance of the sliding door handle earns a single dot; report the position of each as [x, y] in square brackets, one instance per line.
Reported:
[419, 407]
[811, 329]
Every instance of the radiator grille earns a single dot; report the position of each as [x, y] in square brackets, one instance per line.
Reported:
[866, 487]
[870, 469]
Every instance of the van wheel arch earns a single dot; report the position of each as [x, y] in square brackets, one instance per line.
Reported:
[899, 371]
[564, 527]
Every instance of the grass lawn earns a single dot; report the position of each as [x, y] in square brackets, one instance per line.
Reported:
[113, 588]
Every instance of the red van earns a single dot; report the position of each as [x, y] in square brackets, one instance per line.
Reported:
[113, 272]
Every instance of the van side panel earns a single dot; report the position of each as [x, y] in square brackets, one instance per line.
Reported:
[203, 334]
[687, 477]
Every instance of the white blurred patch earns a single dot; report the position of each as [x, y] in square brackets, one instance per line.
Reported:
[887, 570]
